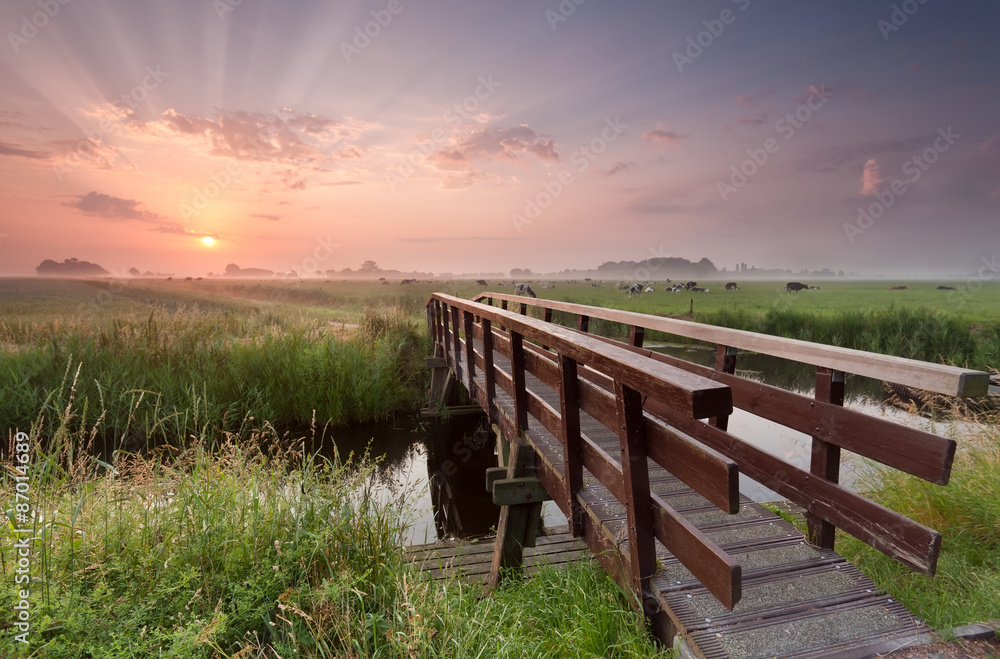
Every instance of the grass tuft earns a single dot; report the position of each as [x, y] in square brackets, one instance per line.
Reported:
[967, 513]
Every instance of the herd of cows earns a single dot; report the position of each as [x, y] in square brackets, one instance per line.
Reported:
[638, 288]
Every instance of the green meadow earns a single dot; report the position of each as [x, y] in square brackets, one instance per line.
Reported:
[176, 512]
[178, 515]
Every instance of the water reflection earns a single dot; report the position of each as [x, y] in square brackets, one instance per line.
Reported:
[437, 466]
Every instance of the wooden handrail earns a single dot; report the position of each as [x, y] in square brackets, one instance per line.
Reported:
[667, 383]
[938, 378]
[635, 381]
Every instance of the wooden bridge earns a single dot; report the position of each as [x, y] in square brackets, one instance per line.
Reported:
[633, 448]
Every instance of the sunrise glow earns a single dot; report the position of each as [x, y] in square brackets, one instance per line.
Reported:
[487, 136]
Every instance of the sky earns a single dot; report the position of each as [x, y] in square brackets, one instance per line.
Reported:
[469, 136]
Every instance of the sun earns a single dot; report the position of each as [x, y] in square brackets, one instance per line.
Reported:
[208, 240]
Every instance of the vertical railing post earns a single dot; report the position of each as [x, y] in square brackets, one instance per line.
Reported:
[470, 352]
[548, 319]
[635, 335]
[725, 361]
[517, 375]
[438, 350]
[825, 461]
[489, 373]
[569, 410]
[431, 326]
[583, 323]
[455, 313]
[445, 331]
[639, 507]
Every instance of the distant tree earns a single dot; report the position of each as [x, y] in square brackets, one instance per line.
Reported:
[520, 272]
[369, 267]
[232, 269]
[70, 268]
[134, 272]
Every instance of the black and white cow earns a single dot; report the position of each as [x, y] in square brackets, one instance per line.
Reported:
[525, 290]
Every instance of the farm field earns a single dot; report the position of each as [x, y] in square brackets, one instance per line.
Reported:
[195, 395]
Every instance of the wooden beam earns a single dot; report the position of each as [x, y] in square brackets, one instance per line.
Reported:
[470, 351]
[569, 412]
[518, 491]
[489, 371]
[825, 461]
[895, 535]
[513, 526]
[635, 335]
[725, 362]
[520, 393]
[493, 474]
[939, 378]
[635, 476]
[913, 451]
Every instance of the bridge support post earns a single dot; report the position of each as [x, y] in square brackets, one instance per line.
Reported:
[519, 524]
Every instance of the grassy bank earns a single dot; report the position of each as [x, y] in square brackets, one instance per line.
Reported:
[156, 365]
[918, 323]
[256, 551]
[967, 513]
[912, 332]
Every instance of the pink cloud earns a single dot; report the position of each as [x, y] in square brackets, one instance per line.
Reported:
[659, 134]
[871, 177]
[502, 144]
[991, 146]
[115, 208]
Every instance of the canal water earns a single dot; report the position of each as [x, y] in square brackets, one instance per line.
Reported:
[440, 465]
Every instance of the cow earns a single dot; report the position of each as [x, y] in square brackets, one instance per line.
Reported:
[795, 287]
[946, 288]
[481, 282]
[635, 289]
[649, 289]
[524, 289]
[691, 284]
[699, 289]
[897, 288]
[731, 286]
[407, 281]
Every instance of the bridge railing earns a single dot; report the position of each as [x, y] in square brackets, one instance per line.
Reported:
[832, 427]
[610, 384]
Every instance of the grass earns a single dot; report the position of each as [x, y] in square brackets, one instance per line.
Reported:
[254, 550]
[954, 327]
[175, 513]
[967, 513]
[159, 365]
